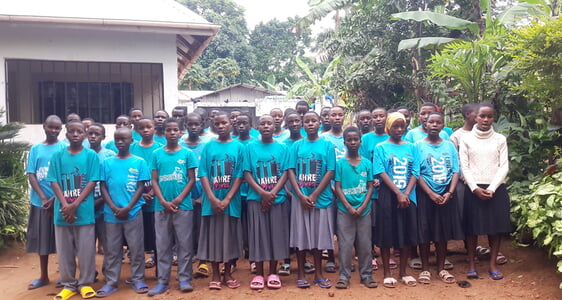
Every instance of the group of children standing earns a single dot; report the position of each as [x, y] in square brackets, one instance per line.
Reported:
[179, 189]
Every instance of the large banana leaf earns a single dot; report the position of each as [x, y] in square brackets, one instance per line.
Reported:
[437, 19]
[423, 42]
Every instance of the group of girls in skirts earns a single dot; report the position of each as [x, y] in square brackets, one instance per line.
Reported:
[301, 178]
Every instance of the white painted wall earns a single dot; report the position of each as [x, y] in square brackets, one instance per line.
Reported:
[45, 42]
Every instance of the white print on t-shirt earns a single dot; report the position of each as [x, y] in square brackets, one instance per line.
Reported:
[177, 175]
[399, 170]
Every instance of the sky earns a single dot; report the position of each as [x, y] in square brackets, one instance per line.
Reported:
[265, 10]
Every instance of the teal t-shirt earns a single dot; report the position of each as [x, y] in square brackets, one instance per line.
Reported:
[38, 163]
[337, 141]
[354, 183]
[221, 163]
[172, 170]
[72, 172]
[266, 162]
[136, 136]
[417, 134]
[399, 162]
[284, 134]
[244, 187]
[311, 160]
[102, 155]
[121, 177]
[367, 150]
[111, 146]
[438, 163]
[146, 154]
[160, 139]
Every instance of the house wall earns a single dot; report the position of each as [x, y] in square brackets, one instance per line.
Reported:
[45, 42]
[236, 94]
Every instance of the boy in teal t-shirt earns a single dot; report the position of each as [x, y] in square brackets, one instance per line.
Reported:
[73, 174]
[40, 235]
[354, 186]
[122, 184]
[173, 178]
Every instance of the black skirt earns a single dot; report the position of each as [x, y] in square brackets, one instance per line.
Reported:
[438, 223]
[487, 217]
[395, 227]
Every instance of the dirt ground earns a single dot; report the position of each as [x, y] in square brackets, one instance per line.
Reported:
[529, 274]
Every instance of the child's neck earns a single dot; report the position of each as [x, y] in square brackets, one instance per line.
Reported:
[353, 157]
[396, 141]
[192, 140]
[49, 142]
[379, 131]
[147, 142]
[224, 139]
[295, 136]
[467, 126]
[336, 131]
[277, 130]
[267, 139]
[244, 136]
[96, 148]
[159, 131]
[74, 149]
[172, 147]
[124, 153]
[433, 139]
[313, 137]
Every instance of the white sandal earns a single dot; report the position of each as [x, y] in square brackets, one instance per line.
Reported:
[389, 282]
[424, 277]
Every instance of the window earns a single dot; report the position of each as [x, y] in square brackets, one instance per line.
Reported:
[99, 90]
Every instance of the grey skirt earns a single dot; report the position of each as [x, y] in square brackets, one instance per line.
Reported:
[311, 228]
[220, 238]
[40, 232]
[268, 232]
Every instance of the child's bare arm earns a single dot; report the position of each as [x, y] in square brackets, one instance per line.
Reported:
[123, 213]
[343, 199]
[209, 192]
[322, 185]
[47, 203]
[438, 199]
[281, 182]
[295, 184]
[233, 190]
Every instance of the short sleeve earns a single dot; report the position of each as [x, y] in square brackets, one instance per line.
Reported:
[416, 166]
[247, 166]
[284, 161]
[32, 160]
[203, 170]
[144, 172]
[154, 163]
[378, 165]
[191, 159]
[338, 176]
[294, 150]
[370, 175]
[330, 157]
[239, 162]
[94, 167]
[54, 168]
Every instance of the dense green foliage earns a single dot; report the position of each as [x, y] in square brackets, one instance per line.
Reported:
[13, 186]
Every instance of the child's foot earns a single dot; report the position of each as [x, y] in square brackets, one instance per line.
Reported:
[185, 286]
[37, 283]
[158, 289]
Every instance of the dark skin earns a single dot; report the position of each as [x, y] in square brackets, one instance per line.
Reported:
[243, 125]
[364, 120]
[266, 128]
[75, 134]
[484, 122]
[397, 129]
[325, 116]
[434, 126]
[353, 141]
[336, 121]
[277, 116]
[378, 117]
[193, 131]
[294, 124]
[123, 140]
[146, 130]
[311, 124]
[135, 116]
[159, 118]
[223, 126]
[301, 110]
[424, 113]
[52, 128]
[122, 122]
[407, 115]
[233, 118]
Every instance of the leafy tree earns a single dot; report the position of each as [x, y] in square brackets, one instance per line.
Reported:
[222, 68]
[196, 76]
[275, 46]
[230, 42]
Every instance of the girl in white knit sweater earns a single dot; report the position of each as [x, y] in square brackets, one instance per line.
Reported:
[484, 163]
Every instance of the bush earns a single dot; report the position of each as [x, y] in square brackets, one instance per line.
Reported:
[14, 204]
[538, 211]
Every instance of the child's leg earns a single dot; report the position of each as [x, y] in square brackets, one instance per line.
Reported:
[183, 224]
[134, 233]
[404, 256]
[495, 241]
[272, 267]
[301, 254]
[346, 232]
[471, 241]
[385, 256]
[216, 271]
[259, 268]
[164, 242]
[112, 261]
[363, 247]
[227, 270]
[66, 253]
[441, 248]
[86, 253]
[424, 253]
[317, 254]
[44, 263]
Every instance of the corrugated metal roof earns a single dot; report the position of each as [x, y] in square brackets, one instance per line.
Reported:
[165, 11]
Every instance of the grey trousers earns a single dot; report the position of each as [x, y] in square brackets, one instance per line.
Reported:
[76, 241]
[354, 232]
[170, 226]
[112, 260]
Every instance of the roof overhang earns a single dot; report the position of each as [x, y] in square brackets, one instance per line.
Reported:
[191, 38]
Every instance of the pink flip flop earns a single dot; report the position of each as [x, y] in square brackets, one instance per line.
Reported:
[273, 281]
[257, 283]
